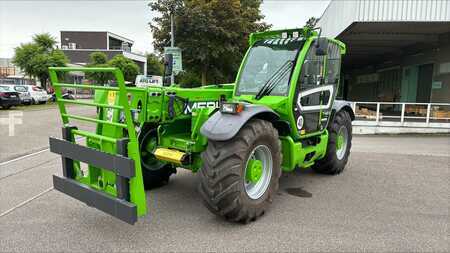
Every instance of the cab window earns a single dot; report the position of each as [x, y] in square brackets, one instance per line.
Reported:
[333, 64]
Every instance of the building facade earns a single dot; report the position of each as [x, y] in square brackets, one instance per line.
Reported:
[78, 45]
[397, 67]
[397, 51]
[7, 68]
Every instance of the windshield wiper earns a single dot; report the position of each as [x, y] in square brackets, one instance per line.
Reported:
[276, 77]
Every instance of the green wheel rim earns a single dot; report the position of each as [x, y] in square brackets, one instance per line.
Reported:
[258, 172]
[341, 142]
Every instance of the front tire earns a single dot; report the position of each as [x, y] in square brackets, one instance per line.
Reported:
[339, 145]
[228, 185]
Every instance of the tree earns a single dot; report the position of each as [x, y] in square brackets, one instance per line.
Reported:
[213, 34]
[36, 57]
[188, 79]
[154, 65]
[128, 67]
[98, 59]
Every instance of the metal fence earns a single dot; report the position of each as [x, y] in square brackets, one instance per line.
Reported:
[399, 114]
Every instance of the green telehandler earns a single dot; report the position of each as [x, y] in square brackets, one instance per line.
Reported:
[279, 115]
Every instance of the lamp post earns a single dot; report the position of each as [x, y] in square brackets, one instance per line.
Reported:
[172, 39]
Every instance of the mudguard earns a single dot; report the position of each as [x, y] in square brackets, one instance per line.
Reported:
[223, 126]
[343, 105]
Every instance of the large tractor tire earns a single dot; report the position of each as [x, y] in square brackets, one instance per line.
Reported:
[155, 173]
[240, 176]
[339, 145]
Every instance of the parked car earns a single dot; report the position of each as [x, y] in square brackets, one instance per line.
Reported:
[8, 97]
[25, 96]
[37, 94]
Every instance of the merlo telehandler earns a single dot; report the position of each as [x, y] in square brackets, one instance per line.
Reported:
[279, 115]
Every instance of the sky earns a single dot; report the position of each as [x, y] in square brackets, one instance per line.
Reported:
[19, 20]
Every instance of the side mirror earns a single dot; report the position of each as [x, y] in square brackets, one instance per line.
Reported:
[168, 68]
[321, 46]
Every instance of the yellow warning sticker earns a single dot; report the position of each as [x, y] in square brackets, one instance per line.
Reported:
[112, 97]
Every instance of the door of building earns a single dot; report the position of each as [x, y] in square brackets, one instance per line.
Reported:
[425, 79]
[409, 84]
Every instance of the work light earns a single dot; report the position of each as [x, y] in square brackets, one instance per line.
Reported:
[231, 108]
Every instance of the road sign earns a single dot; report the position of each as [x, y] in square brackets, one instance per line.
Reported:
[177, 60]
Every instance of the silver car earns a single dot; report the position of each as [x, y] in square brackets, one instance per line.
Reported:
[25, 96]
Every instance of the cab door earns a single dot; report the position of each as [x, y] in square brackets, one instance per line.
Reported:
[316, 89]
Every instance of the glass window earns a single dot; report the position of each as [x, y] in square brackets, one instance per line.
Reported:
[269, 60]
[20, 88]
[333, 64]
[4, 88]
[312, 72]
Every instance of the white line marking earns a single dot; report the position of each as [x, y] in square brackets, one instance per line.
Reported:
[32, 154]
[25, 202]
[23, 157]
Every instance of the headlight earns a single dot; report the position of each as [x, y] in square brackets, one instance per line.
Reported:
[231, 108]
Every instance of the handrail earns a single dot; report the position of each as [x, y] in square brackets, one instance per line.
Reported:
[95, 87]
[82, 69]
[400, 103]
[69, 101]
[92, 135]
[94, 120]
[426, 110]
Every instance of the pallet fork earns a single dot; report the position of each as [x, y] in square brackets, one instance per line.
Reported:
[113, 182]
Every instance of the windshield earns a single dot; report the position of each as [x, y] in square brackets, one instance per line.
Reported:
[20, 88]
[265, 58]
[4, 88]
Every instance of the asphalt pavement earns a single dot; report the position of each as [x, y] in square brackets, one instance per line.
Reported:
[393, 196]
[35, 124]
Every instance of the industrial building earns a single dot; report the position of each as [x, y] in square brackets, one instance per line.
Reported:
[398, 53]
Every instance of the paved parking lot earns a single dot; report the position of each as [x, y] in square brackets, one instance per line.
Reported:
[393, 196]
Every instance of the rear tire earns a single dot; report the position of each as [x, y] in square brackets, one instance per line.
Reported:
[224, 186]
[339, 145]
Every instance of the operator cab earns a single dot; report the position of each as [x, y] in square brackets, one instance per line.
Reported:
[300, 72]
